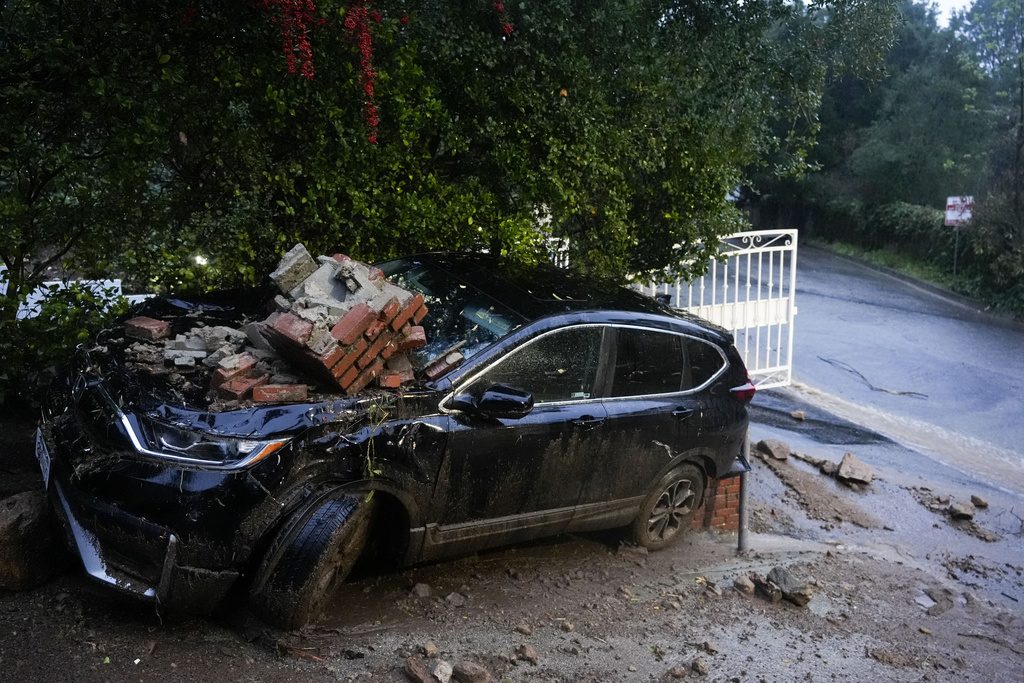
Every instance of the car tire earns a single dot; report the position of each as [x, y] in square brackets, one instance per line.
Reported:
[310, 557]
[669, 510]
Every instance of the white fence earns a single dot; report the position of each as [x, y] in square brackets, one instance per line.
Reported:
[751, 292]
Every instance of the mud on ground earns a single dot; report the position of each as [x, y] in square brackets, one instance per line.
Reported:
[584, 608]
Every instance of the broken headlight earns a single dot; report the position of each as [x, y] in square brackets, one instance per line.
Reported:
[194, 447]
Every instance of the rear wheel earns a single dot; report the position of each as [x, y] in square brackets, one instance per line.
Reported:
[670, 508]
[310, 557]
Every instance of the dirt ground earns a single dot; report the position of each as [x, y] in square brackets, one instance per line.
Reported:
[901, 592]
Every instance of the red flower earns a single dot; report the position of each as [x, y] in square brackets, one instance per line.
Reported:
[507, 28]
[405, 19]
[375, 15]
[350, 24]
[500, 7]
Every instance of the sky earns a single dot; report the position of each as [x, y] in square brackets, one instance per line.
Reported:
[945, 6]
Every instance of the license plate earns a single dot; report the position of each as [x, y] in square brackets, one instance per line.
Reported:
[43, 456]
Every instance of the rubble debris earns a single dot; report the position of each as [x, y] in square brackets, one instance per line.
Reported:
[31, 552]
[828, 468]
[979, 502]
[417, 671]
[443, 671]
[469, 672]
[778, 450]
[527, 653]
[798, 415]
[336, 322]
[794, 591]
[430, 650]
[852, 470]
[700, 666]
[420, 590]
[744, 585]
[766, 589]
[962, 509]
[146, 329]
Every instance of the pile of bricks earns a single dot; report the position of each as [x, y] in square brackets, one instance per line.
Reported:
[339, 321]
[721, 508]
[343, 322]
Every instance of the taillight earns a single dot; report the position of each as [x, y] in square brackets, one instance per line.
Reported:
[744, 394]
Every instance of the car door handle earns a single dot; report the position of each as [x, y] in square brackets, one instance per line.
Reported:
[587, 421]
[682, 413]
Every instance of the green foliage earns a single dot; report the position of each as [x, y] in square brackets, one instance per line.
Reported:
[35, 348]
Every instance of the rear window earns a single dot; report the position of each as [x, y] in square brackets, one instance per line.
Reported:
[648, 362]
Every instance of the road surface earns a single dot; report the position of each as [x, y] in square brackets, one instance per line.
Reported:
[921, 367]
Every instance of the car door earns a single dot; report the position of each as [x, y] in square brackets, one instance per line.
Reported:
[651, 417]
[511, 479]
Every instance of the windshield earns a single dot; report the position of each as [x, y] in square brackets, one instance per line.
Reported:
[457, 312]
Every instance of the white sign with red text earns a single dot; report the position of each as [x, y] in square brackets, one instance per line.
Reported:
[958, 210]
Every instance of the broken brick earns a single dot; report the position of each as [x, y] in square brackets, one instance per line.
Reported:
[375, 328]
[349, 359]
[354, 323]
[274, 393]
[367, 376]
[442, 365]
[235, 366]
[407, 312]
[413, 340]
[348, 377]
[420, 313]
[147, 329]
[373, 351]
[239, 388]
[389, 380]
[293, 328]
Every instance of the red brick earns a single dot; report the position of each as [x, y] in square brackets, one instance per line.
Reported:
[413, 340]
[145, 328]
[294, 328]
[341, 258]
[375, 328]
[241, 387]
[389, 380]
[420, 313]
[273, 393]
[374, 351]
[374, 273]
[390, 310]
[348, 377]
[389, 349]
[355, 322]
[440, 366]
[365, 377]
[331, 356]
[233, 367]
[407, 312]
[348, 360]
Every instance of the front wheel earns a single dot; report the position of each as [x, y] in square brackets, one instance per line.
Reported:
[670, 508]
[309, 559]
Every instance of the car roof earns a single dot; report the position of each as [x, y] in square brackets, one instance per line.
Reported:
[536, 291]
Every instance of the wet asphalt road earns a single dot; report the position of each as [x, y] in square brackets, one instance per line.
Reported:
[967, 365]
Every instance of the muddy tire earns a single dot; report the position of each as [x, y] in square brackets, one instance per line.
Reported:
[669, 510]
[309, 559]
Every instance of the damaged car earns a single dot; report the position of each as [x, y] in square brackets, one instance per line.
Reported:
[516, 402]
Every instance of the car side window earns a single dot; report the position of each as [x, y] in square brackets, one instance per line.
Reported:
[705, 360]
[558, 366]
[649, 362]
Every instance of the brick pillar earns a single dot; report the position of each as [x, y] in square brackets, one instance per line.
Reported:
[721, 509]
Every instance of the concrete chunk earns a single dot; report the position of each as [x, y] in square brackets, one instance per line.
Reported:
[294, 267]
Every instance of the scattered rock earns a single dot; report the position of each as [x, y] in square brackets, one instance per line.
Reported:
[779, 450]
[468, 672]
[744, 585]
[443, 671]
[766, 589]
[713, 587]
[809, 459]
[852, 470]
[456, 599]
[416, 670]
[31, 551]
[710, 646]
[527, 653]
[420, 590]
[430, 650]
[979, 502]
[524, 629]
[793, 590]
[626, 592]
[943, 598]
[798, 415]
[700, 666]
[828, 468]
[675, 673]
[925, 630]
[567, 626]
[961, 510]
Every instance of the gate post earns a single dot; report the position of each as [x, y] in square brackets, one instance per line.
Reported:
[743, 542]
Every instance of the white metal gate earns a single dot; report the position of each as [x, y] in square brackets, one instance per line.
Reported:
[751, 292]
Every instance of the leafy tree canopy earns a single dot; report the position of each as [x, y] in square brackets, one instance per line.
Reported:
[169, 142]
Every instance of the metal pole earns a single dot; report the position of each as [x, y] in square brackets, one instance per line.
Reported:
[956, 246]
[743, 544]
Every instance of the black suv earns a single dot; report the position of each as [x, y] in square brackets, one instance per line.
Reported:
[580, 405]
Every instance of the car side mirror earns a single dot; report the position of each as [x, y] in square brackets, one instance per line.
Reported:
[497, 401]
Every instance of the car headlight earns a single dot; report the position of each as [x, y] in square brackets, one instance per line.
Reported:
[197, 448]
